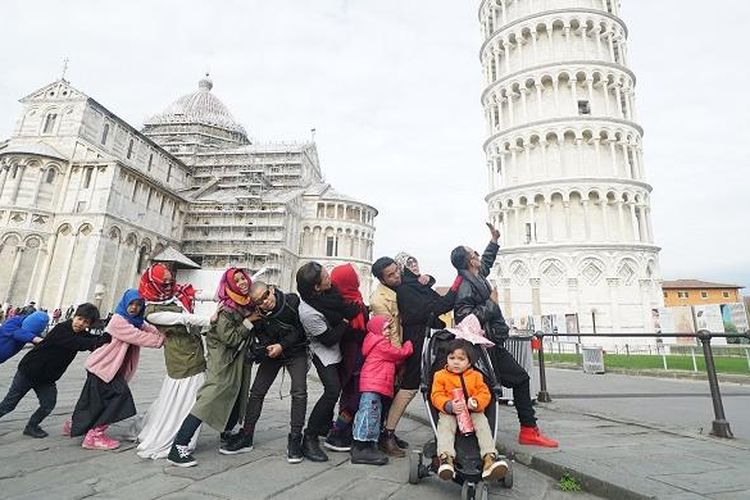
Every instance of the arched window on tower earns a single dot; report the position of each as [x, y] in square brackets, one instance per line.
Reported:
[49, 123]
[130, 149]
[105, 133]
[50, 176]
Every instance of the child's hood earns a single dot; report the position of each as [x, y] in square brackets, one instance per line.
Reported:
[35, 322]
[371, 342]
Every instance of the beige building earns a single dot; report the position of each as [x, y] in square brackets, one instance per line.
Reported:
[86, 200]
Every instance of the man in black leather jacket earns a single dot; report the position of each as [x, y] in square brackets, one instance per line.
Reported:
[476, 296]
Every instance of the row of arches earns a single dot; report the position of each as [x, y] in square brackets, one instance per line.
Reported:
[575, 215]
[319, 241]
[551, 38]
[563, 153]
[493, 14]
[65, 266]
[30, 181]
[599, 92]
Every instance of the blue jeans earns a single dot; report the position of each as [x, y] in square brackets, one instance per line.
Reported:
[367, 420]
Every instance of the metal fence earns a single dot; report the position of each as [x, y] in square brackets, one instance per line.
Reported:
[666, 356]
[720, 425]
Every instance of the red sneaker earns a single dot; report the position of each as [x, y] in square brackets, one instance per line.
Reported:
[533, 436]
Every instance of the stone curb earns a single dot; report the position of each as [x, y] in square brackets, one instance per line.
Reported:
[589, 483]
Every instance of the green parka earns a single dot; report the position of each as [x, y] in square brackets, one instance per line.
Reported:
[227, 373]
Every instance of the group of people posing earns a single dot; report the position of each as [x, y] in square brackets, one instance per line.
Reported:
[368, 361]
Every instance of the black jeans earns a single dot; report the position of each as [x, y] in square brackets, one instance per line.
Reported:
[512, 375]
[46, 393]
[321, 416]
[268, 369]
[191, 424]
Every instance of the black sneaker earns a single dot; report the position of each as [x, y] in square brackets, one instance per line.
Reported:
[227, 436]
[239, 443]
[311, 448]
[181, 457]
[338, 441]
[294, 448]
[400, 442]
[35, 431]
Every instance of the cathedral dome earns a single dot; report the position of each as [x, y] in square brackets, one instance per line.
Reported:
[200, 107]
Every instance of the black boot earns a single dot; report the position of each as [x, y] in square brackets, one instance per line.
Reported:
[311, 448]
[294, 448]
[366, 453]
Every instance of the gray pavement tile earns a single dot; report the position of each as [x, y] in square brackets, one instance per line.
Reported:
[263, 478]
[152, 487]
[718, 481]
[732, 495]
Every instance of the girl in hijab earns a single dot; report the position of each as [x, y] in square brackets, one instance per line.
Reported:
[169, 307]
[223, 397]
[106, 398]
[344, 278]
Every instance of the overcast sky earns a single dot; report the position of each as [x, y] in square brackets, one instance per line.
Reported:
[393, 87]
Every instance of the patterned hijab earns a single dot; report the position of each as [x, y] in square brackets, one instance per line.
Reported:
[131, 295]
[405, 261]
[229, 295]
[153, 288]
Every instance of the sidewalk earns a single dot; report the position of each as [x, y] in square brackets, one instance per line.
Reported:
[616, 458]
[57, 467]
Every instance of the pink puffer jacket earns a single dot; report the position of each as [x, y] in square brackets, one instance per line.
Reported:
[381, 359]
[123, 352]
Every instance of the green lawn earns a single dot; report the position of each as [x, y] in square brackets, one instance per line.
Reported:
[645, 362]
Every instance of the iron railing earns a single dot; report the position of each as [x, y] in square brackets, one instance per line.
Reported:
[720, 425]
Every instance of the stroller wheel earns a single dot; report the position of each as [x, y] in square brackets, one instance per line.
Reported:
[507, 481]
[469, 490]
[415, 467]
[483, 492]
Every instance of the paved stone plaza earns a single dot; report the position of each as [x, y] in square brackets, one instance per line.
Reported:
[57, 467]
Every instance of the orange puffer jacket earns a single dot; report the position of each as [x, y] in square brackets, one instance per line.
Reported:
[444, 382]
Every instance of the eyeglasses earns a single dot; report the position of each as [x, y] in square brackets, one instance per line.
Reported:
[263, 297]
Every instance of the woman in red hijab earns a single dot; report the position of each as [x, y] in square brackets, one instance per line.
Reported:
[169, 307]
[346, 281]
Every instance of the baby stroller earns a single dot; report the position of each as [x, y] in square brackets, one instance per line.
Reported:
[468, 462]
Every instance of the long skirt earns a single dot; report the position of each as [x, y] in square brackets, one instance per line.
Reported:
[164, 417]
[101, 403]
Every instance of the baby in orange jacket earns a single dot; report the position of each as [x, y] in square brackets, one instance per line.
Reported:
[477, 398]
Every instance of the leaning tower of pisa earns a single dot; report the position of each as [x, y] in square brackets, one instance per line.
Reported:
[567, 184]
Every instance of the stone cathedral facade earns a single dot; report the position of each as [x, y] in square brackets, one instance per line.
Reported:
[86, 200]
[566, 176]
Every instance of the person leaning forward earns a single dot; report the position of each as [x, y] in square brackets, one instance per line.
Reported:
[476, 296]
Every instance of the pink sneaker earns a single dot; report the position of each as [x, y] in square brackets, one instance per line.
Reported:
[67, 425]
[96, 439]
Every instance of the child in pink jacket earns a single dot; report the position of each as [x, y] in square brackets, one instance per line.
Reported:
[376, 381]
[106, 398]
